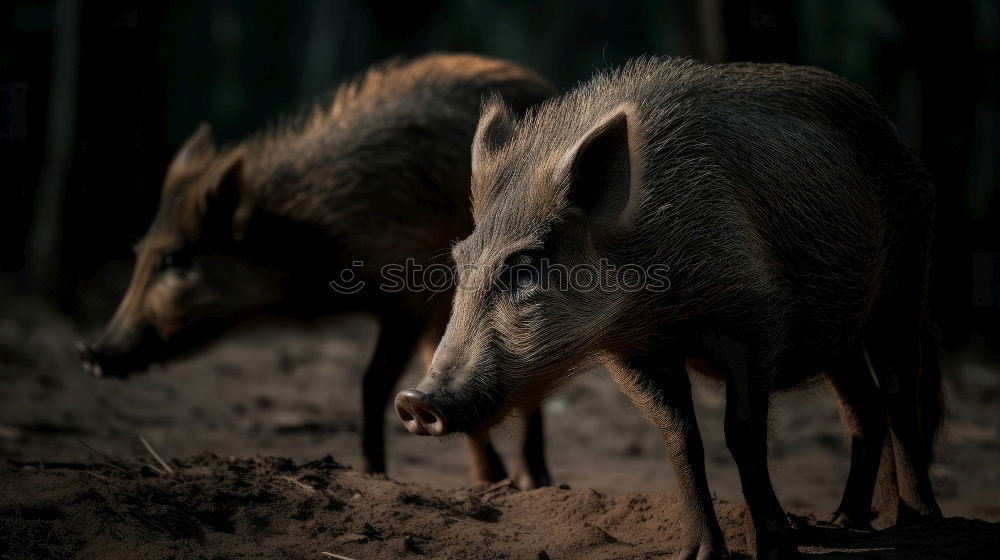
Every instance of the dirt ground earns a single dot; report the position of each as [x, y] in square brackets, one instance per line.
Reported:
[211, 507]
[285, 390]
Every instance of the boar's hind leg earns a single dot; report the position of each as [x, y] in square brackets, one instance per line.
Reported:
[896, 357]
[863, 414]
[663, 392]
[397, 341]
[529, 469]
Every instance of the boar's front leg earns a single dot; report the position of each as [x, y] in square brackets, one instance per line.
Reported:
[529, 469]
[769, 535]
[397, 341]
[485, 465]
[750, 371]
[662, 390]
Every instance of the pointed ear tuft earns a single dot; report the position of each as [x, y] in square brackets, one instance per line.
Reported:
[197, 149]
[493, 132]
[600, 171]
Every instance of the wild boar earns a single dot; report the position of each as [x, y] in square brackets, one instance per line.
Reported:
[795, 226]
[379, 176]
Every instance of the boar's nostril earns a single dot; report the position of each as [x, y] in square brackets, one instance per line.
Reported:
[418, 414]
[404, 415]
[90, 364]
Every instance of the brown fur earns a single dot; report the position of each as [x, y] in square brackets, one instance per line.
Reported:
[378, 174]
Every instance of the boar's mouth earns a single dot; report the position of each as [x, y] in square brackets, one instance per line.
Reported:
[121, 360]
[102, 362]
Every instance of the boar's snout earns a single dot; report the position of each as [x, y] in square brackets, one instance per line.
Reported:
[419, 415]
[102, 363]
[89, 361]
[116, 355]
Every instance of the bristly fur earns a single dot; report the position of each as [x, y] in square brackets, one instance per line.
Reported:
[780, 197]
[385, 146]
[378, 175]
[747, 172]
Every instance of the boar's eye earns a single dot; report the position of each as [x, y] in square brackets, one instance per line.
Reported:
[524, 278]
[176, 259]
[522, 271]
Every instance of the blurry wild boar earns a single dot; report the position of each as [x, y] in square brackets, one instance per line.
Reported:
[795, 225]
[379, 175]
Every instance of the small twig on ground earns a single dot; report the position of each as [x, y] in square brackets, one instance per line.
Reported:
[156, 455]
[302, 485]
[110, 462]
[96, 452]
[490, 491]
[95, 475]
[337, 556]
[157, 470]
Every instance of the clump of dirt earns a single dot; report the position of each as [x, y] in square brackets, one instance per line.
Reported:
[268, 507]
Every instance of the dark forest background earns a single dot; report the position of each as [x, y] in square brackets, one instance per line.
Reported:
[96, 96]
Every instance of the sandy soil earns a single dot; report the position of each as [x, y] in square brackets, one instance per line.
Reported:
[291, 391]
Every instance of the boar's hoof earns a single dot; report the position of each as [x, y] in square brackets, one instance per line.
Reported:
[418, 414]
[706, 549]
[907, 516]
[776, 546]
[525, 479]
[849, 521]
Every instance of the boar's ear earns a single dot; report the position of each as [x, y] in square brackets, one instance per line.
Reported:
[228, 196]
[600, 172]
[492, 133]
[199, 148]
